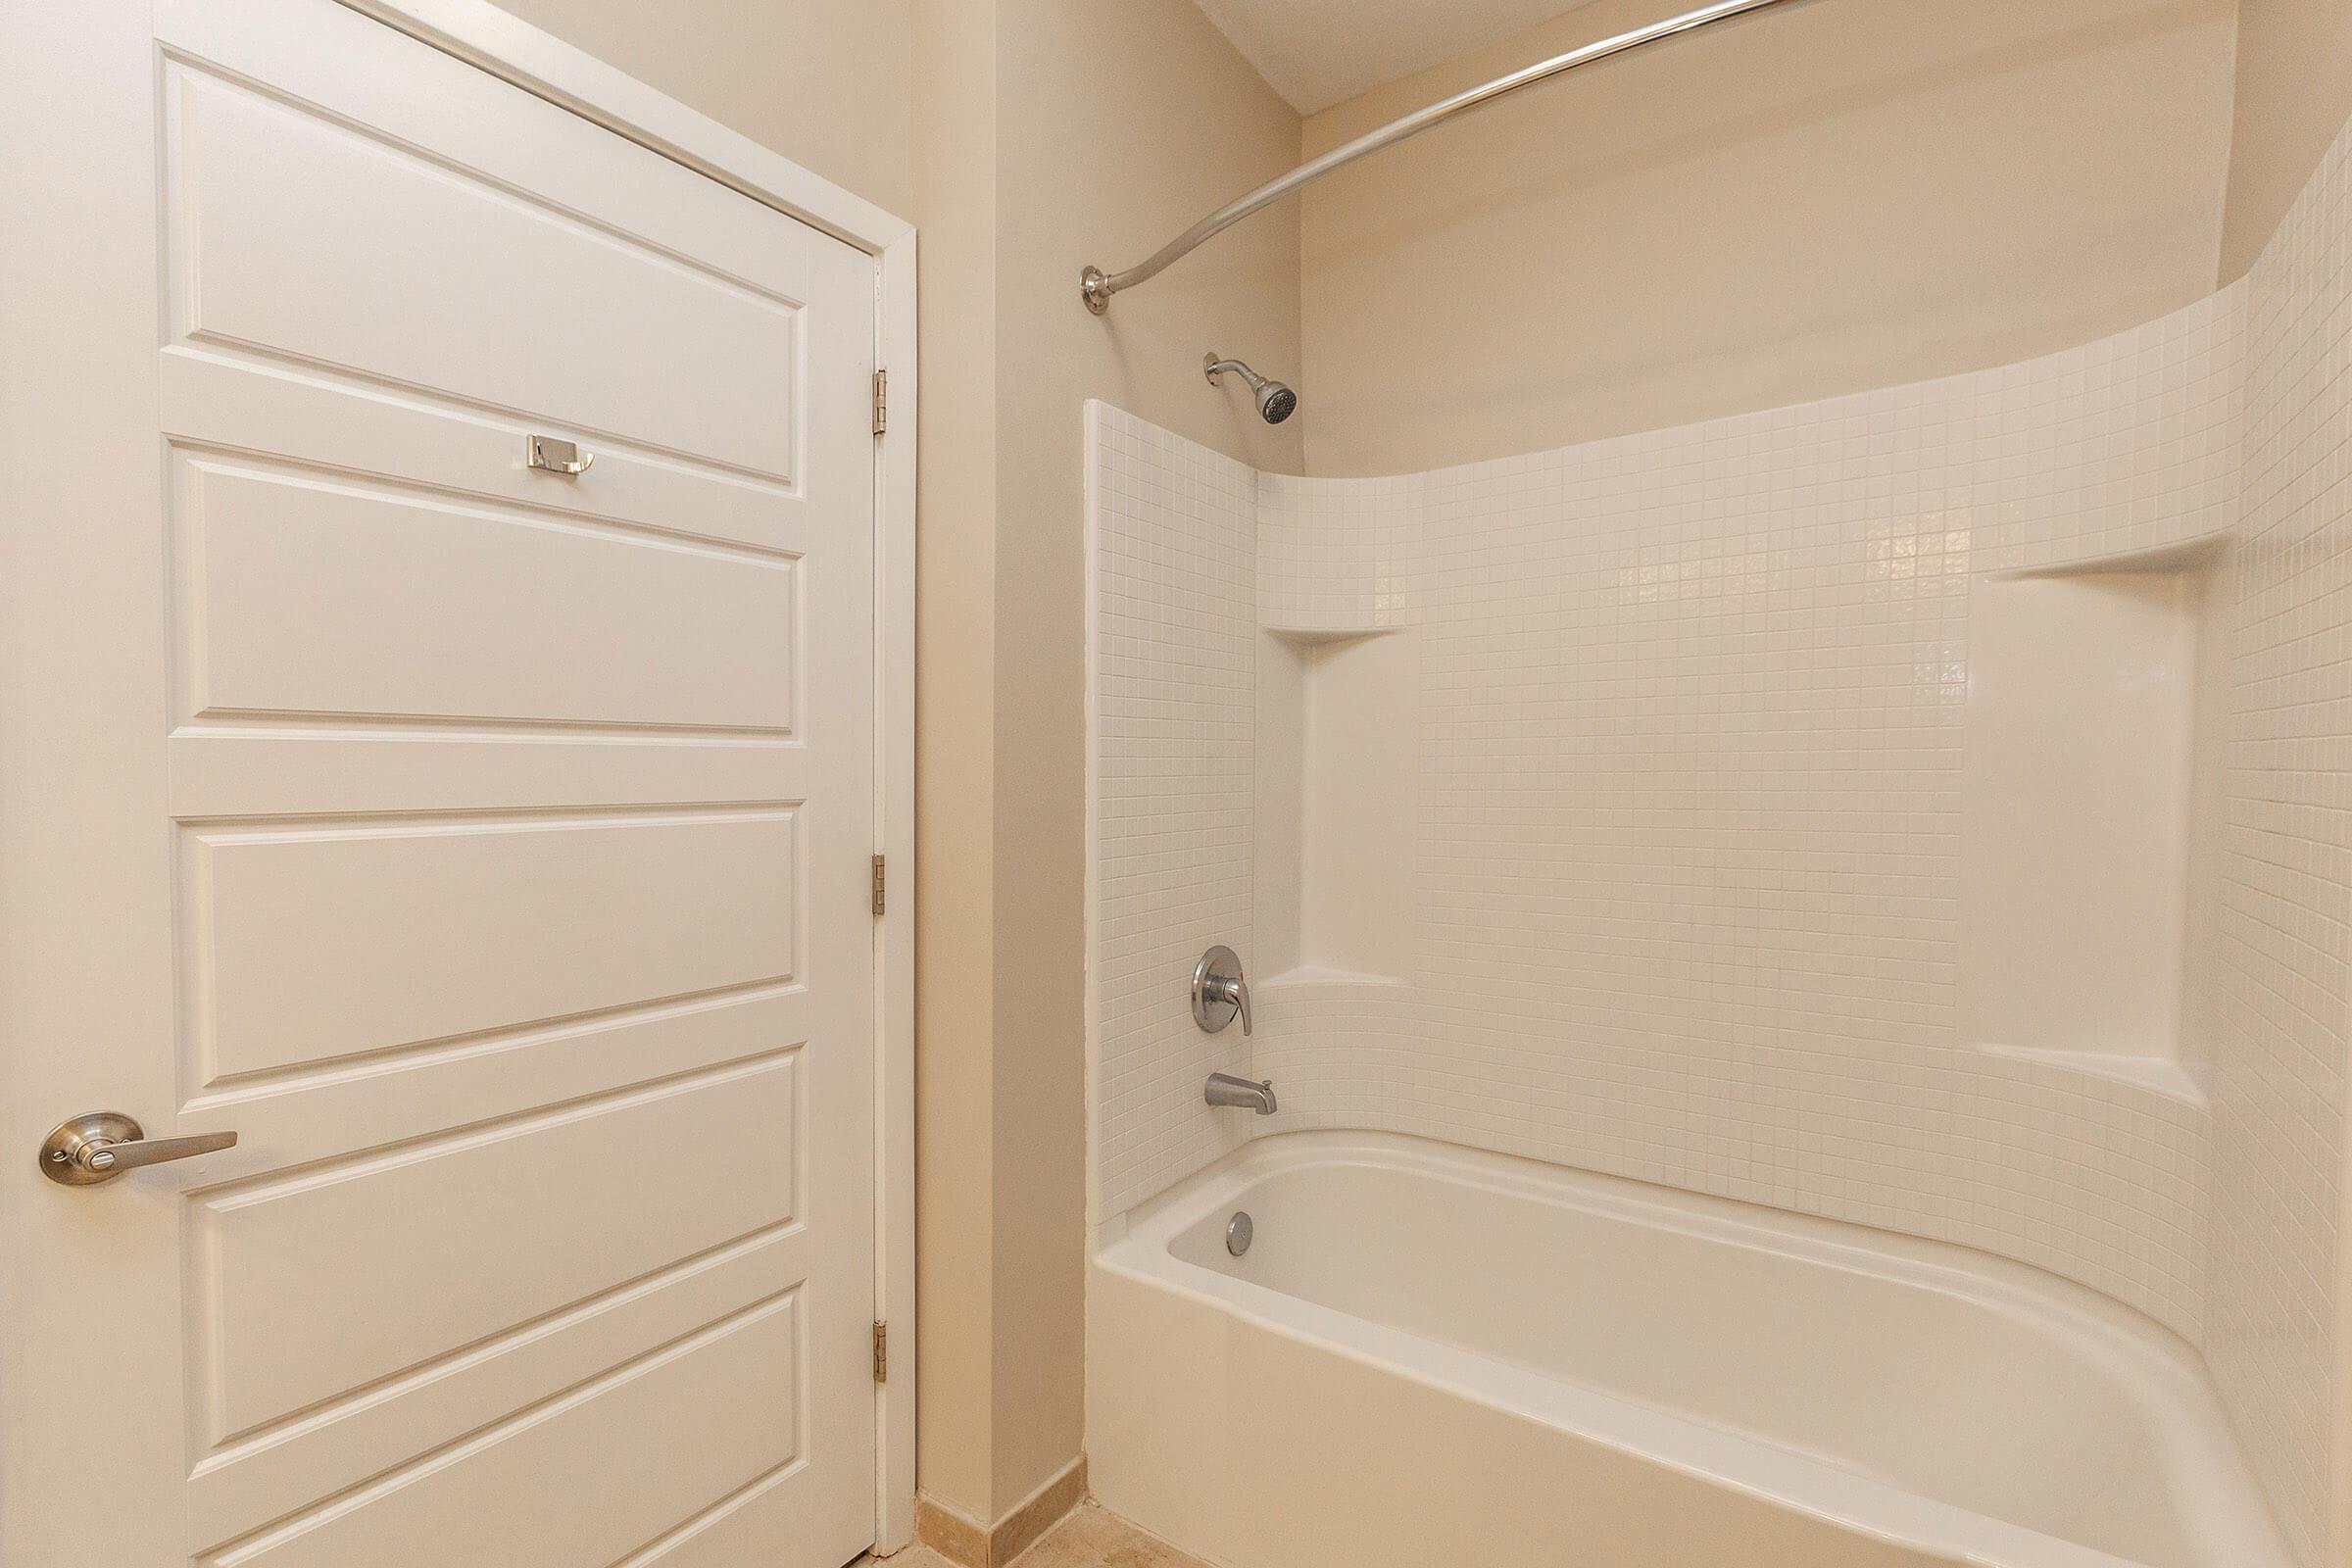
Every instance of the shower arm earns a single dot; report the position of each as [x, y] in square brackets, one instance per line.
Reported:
[1098, 286]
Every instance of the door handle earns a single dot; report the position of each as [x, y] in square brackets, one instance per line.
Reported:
[102, 1145]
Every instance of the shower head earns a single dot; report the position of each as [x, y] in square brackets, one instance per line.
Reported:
[1274, 402]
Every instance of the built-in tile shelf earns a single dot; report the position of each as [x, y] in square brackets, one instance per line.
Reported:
[1312, 976]
[2163, 1075]
[2189, 555]
[1308, 638]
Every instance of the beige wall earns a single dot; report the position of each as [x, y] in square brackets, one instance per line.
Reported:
[825, 82]
[1048, 133]
[2294, 93]
[1842, 197]
[953, 148]
[1118, 125]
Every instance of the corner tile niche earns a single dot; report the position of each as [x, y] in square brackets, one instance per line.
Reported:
[2091, 811]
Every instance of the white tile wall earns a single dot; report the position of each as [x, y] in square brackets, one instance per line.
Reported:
[1687, 836]
[1174, 648]
[1687, 751]
[2286, 958]
[1336, 555]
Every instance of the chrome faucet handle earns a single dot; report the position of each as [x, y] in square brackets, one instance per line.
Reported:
[1237, 991]
[1220, 990]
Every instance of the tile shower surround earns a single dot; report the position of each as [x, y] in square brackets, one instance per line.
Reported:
[1688, 771]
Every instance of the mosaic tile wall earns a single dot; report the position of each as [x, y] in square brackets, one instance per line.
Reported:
[1688, 832]
[1174, 645]
[2285, 962]
[1336, 555]
[1688, 760]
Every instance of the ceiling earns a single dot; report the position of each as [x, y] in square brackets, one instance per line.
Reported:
[1317, 53]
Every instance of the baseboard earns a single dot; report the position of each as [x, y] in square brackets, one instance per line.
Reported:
[1037, 1513]
[960, 1540]
[964, 1540]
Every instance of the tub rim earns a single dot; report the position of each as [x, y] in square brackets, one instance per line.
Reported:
[2222, 1516]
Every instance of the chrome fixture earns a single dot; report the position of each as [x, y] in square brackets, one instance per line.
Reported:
[102, 1145]
[551, 456]
[1274, 402]
[1224, 1089]
[1096, 286]
[1220, 990]
[1240, 1232]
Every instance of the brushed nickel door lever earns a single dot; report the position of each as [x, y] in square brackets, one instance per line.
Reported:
[102, 1145]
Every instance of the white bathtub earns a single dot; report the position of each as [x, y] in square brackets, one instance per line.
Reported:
[1428, 1353]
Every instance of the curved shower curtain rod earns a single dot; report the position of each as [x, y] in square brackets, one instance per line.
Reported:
[1098, 286]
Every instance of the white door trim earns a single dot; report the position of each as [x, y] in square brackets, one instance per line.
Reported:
[481, 34]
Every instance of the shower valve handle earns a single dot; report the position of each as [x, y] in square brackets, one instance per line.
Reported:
[1237, 991]
[1220, 991]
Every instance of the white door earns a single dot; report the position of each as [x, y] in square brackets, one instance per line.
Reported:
[487, 847]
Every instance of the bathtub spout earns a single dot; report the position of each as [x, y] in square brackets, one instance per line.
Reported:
[1224, 1089]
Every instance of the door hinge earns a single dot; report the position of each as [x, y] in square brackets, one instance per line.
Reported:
[881, 401]
[881, 1353]
[879, 901]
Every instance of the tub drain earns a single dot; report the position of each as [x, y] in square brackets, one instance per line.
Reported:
[1238, 1231]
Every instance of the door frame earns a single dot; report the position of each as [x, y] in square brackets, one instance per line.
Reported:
[543, 65]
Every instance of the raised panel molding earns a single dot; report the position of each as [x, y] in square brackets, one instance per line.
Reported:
[308, 942]
[293, 1271]
[702, 365]
[300, 596]
[639, 1448]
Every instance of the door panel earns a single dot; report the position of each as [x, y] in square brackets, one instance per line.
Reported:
[303, 595]
[483, 293]
[570, 1482]
[419, 443]
[307, 942]
[562, 1205]
[487, 848]
[382, 1427]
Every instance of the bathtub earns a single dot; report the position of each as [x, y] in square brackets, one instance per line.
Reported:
[1429, 1353]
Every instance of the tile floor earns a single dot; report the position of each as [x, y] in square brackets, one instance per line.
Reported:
[1086, 1539]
